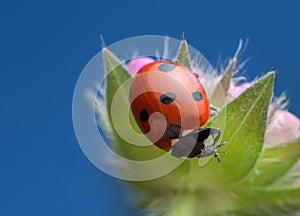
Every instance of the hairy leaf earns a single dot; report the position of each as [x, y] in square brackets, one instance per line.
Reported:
[273, 164]
[121, 118]
[243, 130]
[268, 202]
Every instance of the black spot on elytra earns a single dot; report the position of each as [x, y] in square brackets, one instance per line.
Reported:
[144, 116]
[168, 98]
[166, 67]
[197, 96]
[173, 131]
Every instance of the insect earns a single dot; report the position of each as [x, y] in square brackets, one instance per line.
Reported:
[170, 106]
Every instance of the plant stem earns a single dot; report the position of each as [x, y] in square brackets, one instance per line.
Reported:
[183, 204]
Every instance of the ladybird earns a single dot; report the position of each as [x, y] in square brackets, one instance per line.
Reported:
[170, 106]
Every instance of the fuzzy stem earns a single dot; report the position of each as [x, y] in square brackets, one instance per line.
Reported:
[183, 204]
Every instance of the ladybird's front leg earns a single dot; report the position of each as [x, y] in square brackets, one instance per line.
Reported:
[216, 154]
[212, 149]
[217, 132]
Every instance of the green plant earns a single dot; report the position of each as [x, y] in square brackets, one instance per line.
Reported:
[254, 178]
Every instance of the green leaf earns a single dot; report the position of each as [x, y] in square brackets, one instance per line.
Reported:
[243, 130]
[183, 55]
[116, 76]
[221, 89]
[268, 202]
[273, 164]
[118, 82]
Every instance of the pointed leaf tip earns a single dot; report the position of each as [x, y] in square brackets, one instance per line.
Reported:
[218, 98]
[183, 55]
[111, 62]
[116, 75]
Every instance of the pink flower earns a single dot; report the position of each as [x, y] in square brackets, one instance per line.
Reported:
[235, 91]
[283, 128]
[136, 64]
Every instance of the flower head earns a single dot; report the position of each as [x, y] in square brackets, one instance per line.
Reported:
[283, 128]
[136, 64]
[263, 146]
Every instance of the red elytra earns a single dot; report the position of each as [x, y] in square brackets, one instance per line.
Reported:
[170, 98]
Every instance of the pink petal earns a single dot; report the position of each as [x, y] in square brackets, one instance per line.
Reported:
[284, 127]
[136, 64]
[236, 90]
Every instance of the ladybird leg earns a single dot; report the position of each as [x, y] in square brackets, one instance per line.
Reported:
[217, 154]
[221, 144]
[204, 133]
[212, 149]
[216, 131]
[212, 107]
[213, 110]
[191, 145]
[213, 113]
[196, 75]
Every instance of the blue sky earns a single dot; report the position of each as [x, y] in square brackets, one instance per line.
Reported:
[44, 45]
